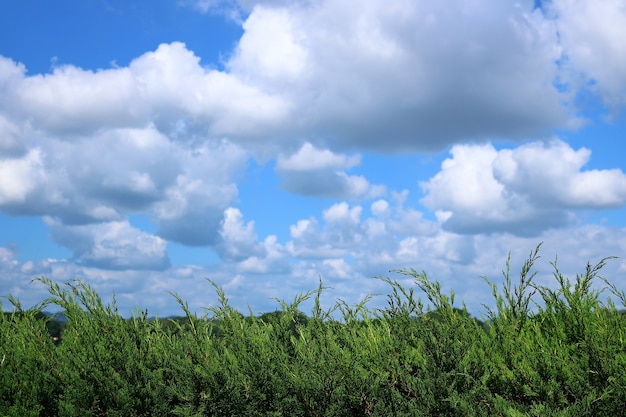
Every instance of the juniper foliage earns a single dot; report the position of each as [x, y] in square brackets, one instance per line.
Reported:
[539, 352]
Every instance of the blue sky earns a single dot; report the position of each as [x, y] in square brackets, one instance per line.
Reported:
[146, 146]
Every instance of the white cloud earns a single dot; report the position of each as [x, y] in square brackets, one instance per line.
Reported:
[380, 208]
[271, 261]
[10, 135]
[342, 230]
[457, 261]
[272, 44]
[111, 245]
[193, 206]
[322, 173]
[10, 73]
[88, 147]
[466, 183]
[336, 268]
[592, 34]
[160, 87]
[71, 100]
[310, 158]
[239, 241]
[19, 177]
[386, 76]
[342, 213]
[524, 190]
[371, 241]
[240, 247]
[552, 174]
[391, 76]
[113, 173]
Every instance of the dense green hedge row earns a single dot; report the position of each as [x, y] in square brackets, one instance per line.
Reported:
[565, 358]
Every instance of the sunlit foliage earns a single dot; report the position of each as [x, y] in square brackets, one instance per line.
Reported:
[538, 352]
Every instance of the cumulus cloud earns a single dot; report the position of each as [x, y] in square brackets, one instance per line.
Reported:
[271, 261]
[552, 174]
[392, 76]
[592, 34]
[115, 172]
[239, 240]
[240, 246]
[10, 136]
[272, 45]
[322, 173]
[192, 207]
[19, 177]
[523, 190]
[161, 87]
[388, 77]
[111, 245]
[347, 232]
[457, 261]
[309, 158]
[341, 230]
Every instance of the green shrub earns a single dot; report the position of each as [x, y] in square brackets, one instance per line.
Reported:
[538, 352]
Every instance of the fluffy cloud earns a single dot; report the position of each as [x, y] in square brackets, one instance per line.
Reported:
[19, 177]
[239, 240]
[342, 230]
[163, 87]
[591, 33]
[239, 245]
[112, 173]
[193, 206]
[272, 45]
[552, 174]
[271, 261]
[372, 242]
[309, 158]
[322, 173]
[382, 77]
[346, 247]
[388, 77]
[457, 261]
[10, 137]
[111, 245]
[523, 191]
[392, 77]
